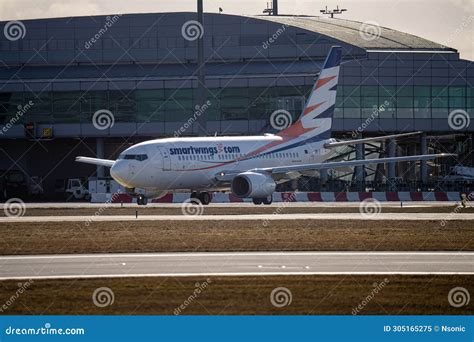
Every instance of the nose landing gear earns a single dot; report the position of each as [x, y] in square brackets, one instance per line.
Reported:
[267, 201]
[142, 200]
[203, 197]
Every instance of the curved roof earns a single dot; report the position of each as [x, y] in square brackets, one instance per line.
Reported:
[151, 38]
[367, 35]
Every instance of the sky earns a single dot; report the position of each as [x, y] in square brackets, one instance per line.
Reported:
[448, 22]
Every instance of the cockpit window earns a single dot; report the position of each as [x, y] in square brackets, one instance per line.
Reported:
[139, 157]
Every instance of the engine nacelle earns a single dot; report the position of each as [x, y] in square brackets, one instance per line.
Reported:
[253, 184]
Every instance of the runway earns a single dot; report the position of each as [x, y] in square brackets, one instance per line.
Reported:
[272, 216]
[234, 264]
[87, 205]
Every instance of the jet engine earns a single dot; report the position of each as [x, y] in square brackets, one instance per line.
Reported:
[253, 184]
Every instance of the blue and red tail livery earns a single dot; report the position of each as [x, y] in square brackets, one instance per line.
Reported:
[316, 119]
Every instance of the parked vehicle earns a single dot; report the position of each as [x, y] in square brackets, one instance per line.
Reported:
[13, 183]
[72, 189]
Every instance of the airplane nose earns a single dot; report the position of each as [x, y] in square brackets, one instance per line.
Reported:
[120, 172]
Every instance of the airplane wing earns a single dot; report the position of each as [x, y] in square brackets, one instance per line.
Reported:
[335, 165]
[95, 161]
[365, 140]
[281, 172]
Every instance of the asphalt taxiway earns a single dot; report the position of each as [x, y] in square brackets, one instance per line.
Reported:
[234, 264]
[271, 216]
[87, 205]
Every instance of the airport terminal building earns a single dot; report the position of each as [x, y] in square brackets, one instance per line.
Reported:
[143, 69]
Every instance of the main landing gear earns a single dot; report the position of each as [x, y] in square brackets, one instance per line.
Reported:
[203, 197]
[142, 200]
[267, 201]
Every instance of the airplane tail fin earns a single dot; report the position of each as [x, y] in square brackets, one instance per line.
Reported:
[316, 118]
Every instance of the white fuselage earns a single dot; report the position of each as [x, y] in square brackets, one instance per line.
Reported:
[193, 163]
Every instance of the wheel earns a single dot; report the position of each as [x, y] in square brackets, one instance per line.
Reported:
[268, 200]
[195, 201]
[257, 201]
[205, 198]
[142, 200]
[194, 194]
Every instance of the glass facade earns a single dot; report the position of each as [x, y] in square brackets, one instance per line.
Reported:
[242, 103]
[407, 102]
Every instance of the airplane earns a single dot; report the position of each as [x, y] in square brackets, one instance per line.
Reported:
[248, 166]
